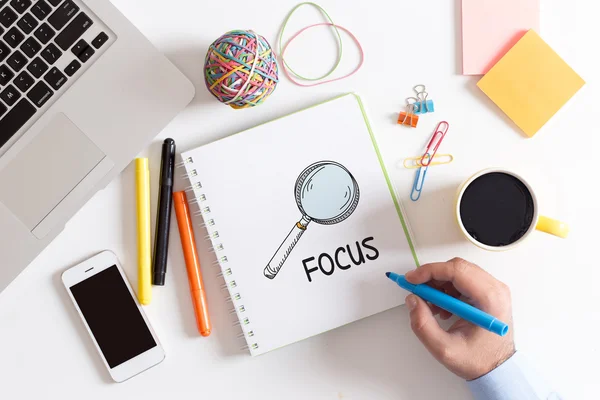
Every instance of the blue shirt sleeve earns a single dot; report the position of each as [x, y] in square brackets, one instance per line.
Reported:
[514, 379]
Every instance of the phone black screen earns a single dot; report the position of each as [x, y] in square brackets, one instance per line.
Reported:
[113, 316]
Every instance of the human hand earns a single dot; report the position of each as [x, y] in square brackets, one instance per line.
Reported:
[465, 349]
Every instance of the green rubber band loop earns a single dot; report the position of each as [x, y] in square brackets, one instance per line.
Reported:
[339, 58]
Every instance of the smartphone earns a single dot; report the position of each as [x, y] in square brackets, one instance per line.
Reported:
[113, 317]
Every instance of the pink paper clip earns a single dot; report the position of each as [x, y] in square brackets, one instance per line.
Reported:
[440, 132]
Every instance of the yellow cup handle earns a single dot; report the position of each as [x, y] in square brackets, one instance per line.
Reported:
[552, 226]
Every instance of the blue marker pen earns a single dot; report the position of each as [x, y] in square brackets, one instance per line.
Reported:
[455, 306]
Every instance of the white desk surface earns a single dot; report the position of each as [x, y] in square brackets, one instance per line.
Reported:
[44, 348]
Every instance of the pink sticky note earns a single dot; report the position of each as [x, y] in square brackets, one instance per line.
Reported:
[491, 27]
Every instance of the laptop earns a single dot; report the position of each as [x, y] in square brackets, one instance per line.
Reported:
[82, 91]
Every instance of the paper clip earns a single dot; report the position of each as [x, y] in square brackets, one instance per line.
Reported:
[422, 105]
[440, 133]
[415, 162]
[409, 118]
[419, 181]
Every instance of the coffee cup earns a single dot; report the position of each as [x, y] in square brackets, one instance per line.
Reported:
[497, 210]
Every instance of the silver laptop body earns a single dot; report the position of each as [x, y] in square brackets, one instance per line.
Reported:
[82, 91]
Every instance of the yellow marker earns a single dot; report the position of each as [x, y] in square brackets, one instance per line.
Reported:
[142, 185]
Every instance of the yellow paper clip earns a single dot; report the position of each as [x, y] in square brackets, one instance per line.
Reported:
[439, 159]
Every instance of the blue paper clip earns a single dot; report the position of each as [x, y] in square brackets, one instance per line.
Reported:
[422, 105]
[419, 181]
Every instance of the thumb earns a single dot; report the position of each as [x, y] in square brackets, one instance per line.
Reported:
[426, 328]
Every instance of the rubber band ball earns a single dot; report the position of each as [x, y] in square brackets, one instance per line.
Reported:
[241, 69]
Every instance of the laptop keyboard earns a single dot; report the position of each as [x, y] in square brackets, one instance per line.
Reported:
[41, 49]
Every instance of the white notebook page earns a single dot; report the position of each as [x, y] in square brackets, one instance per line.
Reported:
[249, 183]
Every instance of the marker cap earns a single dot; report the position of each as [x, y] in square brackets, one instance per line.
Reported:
[499, 327]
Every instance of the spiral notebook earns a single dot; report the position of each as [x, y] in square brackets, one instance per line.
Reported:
[304, 222]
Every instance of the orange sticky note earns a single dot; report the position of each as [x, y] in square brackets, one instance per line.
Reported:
[530, 83]
[491, 27]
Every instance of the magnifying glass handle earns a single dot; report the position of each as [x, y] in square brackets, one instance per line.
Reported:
[284, 251]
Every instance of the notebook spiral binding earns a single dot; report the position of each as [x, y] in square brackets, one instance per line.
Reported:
[200, 201]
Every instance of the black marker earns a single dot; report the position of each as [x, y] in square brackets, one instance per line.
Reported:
[163, 217]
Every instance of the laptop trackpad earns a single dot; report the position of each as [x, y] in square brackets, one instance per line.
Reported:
[47, 170]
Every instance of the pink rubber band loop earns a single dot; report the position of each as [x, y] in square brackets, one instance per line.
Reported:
[362, 55]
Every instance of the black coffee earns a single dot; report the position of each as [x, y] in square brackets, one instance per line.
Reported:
[496, 209]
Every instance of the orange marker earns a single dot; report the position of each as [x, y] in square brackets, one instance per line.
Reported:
[192, 262]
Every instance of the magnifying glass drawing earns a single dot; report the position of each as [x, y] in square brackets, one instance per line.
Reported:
[326, 193]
